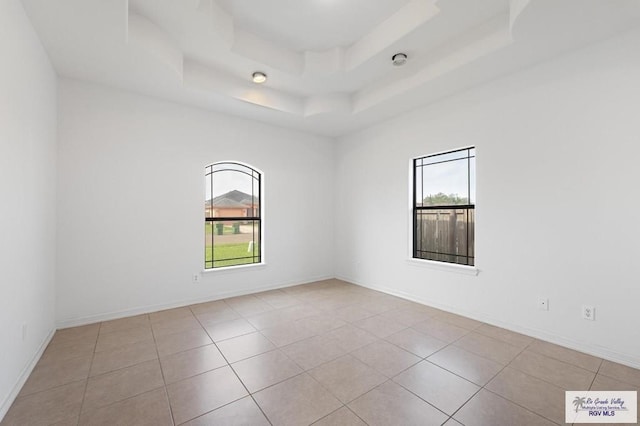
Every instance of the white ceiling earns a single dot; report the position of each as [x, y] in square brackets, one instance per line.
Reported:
[328, 61]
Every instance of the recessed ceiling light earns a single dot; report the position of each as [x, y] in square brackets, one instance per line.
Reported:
[399, 59]
[259, 77]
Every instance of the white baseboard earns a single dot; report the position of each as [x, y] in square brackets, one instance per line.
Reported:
[24, 375]
[107, 316]
[597, 351]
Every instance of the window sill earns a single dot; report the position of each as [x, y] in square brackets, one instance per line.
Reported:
[443, 266]
[234, 268]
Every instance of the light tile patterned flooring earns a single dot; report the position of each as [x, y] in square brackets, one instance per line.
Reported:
[327, 353]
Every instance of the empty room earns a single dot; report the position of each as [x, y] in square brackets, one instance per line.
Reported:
[319, 212]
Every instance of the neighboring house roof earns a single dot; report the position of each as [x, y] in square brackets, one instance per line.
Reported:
[225, 202]
[233, 199]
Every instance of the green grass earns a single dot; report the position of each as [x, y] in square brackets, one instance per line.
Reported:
[231, 251]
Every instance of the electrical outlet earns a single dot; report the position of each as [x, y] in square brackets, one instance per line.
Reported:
[588, 312]
[543, 304]
[195, 278]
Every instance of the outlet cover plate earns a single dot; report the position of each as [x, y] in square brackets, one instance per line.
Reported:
[588, 312]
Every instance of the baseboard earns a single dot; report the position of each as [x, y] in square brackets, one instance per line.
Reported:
[92, 319]
[600, 352]
[24, 375]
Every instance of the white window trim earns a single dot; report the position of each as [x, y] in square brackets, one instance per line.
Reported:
[424, 263]
[263, 259]
[234, 268]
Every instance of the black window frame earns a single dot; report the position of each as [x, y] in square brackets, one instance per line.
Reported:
[437, 256]
[257, 253]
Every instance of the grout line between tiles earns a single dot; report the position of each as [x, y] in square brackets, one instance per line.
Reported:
[166, 391]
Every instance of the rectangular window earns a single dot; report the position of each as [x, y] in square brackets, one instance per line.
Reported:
[232, 224]
[443, 206]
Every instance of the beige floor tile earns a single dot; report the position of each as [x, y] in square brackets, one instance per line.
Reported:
[68, 350]
[321, 324]
[620, 372]
[243, 412]
[278, 299]
[386, 358]
[171, 326]
[561, 374]
[147, 409]
[300, 311]
[213, 306]
[329, 303]
[391, 404]
[190, 363]
[352, 313]
[533, 394]
[489, 409]
[488, 347]
[229, 329]
[440, 388]
[570, 356]
[124, 323]
[212, 317]
[48, 407]
[298, 401]
[125, 356]
[458, 320]
[245, 346]
[200, 394]
[417, 343]
[265, 370]
[249, 305]
[117, 339]
[76, 333]
[52, 374]
[347, 377]
[515, 339]
[310, 353]
[286, 334]
[406, 317]
[379, 326]
[117, 385]
[69, 421]
[170, 314]
[340, 417]
[452, 422]
[468, 365]
[350, 338]
[178, 342]
[267, 319]
[379, 307]
[441, 330]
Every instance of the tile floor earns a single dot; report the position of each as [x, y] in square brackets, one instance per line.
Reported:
[326, 353]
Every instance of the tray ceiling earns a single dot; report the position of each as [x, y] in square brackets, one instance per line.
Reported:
[328, 61]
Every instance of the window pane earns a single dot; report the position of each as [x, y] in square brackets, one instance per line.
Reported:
[418, 181]
[233, 243]
[234, 195]
[445, 183]
[445, 235]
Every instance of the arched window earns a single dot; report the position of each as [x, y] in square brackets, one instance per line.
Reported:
[232, 227]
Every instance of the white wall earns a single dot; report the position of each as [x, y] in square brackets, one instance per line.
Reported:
[557, 200]
[27, 191]
[131, 197]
